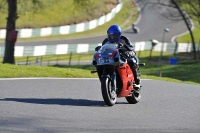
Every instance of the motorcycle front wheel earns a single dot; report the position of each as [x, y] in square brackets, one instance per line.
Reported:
[108, 94]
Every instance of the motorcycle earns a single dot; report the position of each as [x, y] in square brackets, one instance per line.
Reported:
[115, 75]
[135, 28]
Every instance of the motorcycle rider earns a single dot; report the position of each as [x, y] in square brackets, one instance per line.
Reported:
[115, 36]
[135, 28]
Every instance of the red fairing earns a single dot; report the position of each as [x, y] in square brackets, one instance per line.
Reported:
[127, 78]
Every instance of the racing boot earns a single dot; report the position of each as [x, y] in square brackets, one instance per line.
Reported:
[136, 85]
[134, 67]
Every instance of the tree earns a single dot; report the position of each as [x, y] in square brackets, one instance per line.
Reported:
[188, 26]
[10, 29]
[193, 11]
[11, 34]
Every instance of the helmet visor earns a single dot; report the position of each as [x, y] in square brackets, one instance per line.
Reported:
[112, 37]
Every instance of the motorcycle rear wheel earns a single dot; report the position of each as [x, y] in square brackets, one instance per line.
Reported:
[135, 98]
[109, 99]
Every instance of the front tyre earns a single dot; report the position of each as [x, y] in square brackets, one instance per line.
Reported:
[108, 94]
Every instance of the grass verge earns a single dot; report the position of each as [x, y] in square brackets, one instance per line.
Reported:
[183, 72]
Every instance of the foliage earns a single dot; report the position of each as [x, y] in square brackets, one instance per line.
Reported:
[193, 9]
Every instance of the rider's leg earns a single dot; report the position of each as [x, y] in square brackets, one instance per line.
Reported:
[136, 75]
[133, 63]
[114, 85]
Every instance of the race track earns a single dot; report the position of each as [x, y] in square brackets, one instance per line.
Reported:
[76, 106]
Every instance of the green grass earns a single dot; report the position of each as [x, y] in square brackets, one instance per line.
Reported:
[56, 12]
[16, 71]
[187, 73]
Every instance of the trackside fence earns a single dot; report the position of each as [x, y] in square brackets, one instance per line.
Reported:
[75, 54]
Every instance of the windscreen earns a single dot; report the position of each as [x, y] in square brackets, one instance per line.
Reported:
[108, 47]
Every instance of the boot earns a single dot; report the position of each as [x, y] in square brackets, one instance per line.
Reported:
[137, 79]
[137, 85]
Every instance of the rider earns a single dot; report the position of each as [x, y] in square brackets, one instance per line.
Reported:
[115, 36]
[135, 28]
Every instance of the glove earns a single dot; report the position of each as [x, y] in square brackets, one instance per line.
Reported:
[131, 53]
[124, 53]
[127, 54]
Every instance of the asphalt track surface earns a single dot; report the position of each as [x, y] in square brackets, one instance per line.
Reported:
[76, 106]
[151, 24]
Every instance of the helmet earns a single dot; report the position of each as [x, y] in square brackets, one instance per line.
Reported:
[114, 33]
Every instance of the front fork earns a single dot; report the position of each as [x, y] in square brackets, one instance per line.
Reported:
[112, 77]
[113, 81]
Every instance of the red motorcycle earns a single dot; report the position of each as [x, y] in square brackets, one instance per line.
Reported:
[115, 75]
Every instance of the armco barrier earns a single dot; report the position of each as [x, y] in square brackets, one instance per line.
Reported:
[85, 48]
[66, 29]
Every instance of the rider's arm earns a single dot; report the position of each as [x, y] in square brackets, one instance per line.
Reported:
[129, 45]
[104, 41]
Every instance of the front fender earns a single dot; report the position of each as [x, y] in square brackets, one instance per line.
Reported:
[105, 75]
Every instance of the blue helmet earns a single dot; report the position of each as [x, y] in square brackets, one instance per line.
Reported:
[114, 33]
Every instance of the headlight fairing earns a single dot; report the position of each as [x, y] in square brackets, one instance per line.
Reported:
[105, 60]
